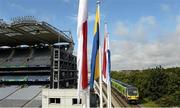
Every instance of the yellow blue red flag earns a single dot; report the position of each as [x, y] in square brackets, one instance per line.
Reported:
[95, 65]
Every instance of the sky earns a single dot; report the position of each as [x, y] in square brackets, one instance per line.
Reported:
[143, 33]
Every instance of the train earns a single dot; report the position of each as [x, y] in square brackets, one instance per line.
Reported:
[129, 92]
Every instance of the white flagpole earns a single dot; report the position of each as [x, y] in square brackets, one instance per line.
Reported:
[108, 79]
[100, 62]
[85, 100]
[100, 78]
[109, 94]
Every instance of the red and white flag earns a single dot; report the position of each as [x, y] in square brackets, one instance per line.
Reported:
[107, 66]
[82, 29]
[106, 58]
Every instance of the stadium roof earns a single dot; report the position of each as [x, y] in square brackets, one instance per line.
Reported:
[28, 31]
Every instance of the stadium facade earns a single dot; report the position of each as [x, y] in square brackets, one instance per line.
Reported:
[36, 53]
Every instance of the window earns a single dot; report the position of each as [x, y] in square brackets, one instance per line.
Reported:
[54, 100]
[51, 100]
[80, 101]
[132, 91]
[75, 101]
[58, 100]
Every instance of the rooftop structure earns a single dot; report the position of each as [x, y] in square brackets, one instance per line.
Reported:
[29, 31]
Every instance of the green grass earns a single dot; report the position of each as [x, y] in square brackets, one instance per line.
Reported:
[149, 103]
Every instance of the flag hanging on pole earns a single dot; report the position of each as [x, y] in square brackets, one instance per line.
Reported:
[106, 57]
[107, 65]
[95, 65]
[104, 68]
[82, 28]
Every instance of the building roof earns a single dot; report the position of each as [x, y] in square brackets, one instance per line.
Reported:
[28, 31]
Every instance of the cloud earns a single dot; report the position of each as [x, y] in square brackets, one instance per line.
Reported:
[121, 29]
[143, 27]
[134, 55]
[91, 17]
[165, 7]
[138, 30]
[178, 25]
[149, 20]
[130, 54]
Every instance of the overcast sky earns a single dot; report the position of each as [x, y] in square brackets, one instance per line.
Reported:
[143, 33]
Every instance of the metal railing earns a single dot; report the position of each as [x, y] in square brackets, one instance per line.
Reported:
[3, 24]
[23, 19]
[57, 30]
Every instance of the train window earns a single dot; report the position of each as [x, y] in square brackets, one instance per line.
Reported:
[132, 91]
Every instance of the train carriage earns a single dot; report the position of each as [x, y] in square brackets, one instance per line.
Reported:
[129, 92]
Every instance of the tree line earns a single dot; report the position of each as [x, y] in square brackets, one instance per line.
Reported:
[155, 84]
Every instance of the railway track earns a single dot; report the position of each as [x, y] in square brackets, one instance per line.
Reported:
[119, 101]
[118, 98]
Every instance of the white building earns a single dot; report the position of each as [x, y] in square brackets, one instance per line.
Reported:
[60, 98]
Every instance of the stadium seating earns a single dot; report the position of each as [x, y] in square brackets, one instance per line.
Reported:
[41, 58]
[18, 57]
[4, 53]
[25, 57]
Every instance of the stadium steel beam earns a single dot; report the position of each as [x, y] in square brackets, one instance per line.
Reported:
[64, 69]
[28, 34]
[52, 29]
[28, 31]
[10, 37]
[5, 39]
[19, 31]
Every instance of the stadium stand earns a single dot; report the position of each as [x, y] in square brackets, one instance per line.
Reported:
[40, 58]
[26, 47]
[17, 58]
[4, 54]
[25, 57]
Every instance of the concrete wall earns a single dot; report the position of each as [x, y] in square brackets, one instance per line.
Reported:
[65, 95]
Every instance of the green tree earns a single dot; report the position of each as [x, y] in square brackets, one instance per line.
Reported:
[156, 85]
